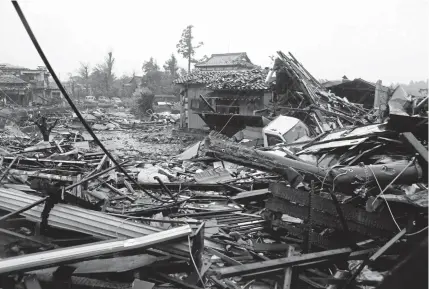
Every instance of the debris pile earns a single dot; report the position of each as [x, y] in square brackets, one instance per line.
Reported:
[344, 206]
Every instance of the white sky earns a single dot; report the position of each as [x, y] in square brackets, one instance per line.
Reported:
[371, 39]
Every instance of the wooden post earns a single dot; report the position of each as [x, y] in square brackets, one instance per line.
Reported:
[197, 254]
[287, 283]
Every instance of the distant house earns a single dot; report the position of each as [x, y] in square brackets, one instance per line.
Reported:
[228, 92]
[37, 81]
[226, 61]
[14, 90]
[165, 98]
[230, 82]
[356, 91]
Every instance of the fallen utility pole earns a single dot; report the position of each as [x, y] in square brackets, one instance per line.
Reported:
[77, 253]
[289, 168]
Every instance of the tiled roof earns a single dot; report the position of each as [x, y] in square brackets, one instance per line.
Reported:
[227, 59]
[228, 80]
[11, 79]
[10, 66]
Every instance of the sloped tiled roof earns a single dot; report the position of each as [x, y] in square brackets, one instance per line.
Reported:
[228, 80]
[227, 59]
[10, 79]
[10, 66]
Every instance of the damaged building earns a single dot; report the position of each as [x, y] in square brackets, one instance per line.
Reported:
[40, 88]
[228, 84]
[358, 91]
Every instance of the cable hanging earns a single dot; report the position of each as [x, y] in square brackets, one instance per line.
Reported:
[67, 97]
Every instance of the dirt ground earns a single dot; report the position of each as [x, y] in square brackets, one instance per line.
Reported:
[155, 142]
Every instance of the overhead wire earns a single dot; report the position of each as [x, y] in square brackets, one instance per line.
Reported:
[397, 176]
[387, 203]
[69, 100]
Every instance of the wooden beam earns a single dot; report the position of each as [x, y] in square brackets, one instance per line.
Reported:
[56, 257]
[375, 256]
[280, 263]
[416, 144]
[287, 282]
[223, 257]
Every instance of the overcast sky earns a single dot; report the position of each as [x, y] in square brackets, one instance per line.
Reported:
[371, 39]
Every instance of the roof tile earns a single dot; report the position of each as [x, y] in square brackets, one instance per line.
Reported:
[10, 79]
[228, 80]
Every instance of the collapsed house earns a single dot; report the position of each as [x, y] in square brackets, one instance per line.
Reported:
[342, 205]
[359, 91]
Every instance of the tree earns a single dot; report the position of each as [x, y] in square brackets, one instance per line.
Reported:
[105, 72]
[72, 84]
[84, 75]
[182, 71]
[185, 47]
[150, 65]
[171, 67]
[145, 102]
[43, 125]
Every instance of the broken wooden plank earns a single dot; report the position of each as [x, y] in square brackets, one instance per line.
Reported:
[72, 254]
[38, 174]
[287, 282]
[280, 263]
[375, 256]
[176, 281]
[264, 247]
[116, 264]
[94, 176]
[223, 257]
[417, 145]
[277, 265]
[119, 192]
[250, 195]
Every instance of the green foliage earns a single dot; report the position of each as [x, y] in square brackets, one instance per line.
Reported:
[171, 67]
[150, 65]
[84, 75]
[185, 46]
[102, 77]
[159, 82]
[145, 101]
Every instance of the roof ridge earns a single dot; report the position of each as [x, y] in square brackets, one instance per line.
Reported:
[232, 53]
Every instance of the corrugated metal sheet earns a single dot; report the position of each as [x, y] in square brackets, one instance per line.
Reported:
[85, 221]
[73, 218]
